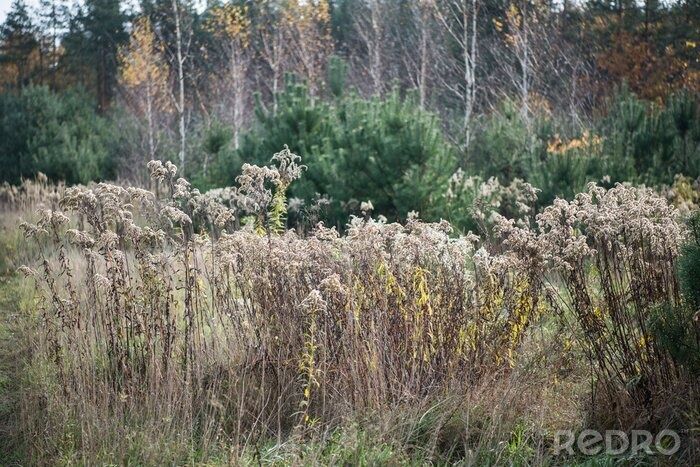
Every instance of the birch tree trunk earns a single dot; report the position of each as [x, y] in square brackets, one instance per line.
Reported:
[370, 28]
[180, 103]
[458, 19]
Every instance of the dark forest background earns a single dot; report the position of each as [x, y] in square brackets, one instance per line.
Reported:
[396, 102]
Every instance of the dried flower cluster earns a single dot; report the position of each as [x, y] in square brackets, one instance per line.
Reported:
[631, 238]
[484, 199]
[149, 299]
[684, 194]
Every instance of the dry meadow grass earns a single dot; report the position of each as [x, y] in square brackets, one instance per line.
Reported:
[167, 326]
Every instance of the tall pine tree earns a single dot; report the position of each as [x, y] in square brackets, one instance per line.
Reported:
[18, 47]
[91, 46]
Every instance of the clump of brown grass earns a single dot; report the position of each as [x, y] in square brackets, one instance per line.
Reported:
[159, 310]
[30, 194]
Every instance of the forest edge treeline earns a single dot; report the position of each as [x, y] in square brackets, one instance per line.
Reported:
[387, 101]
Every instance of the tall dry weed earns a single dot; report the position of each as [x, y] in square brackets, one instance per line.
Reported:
[203, 317]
